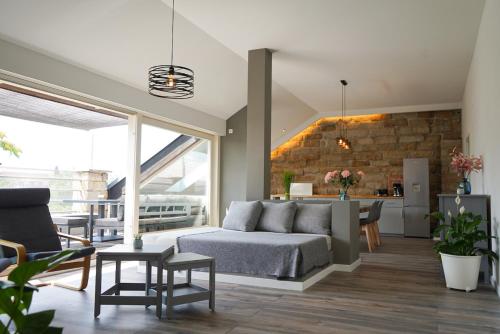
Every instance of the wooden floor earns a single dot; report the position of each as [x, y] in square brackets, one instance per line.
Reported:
[397, 289]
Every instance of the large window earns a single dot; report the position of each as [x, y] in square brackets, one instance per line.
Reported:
[175, 172]
[74, 152]
[85, 156]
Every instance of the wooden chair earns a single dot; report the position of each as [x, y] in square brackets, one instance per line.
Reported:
[368, 226]
[27, 232]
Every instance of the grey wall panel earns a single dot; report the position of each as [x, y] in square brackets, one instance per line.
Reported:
[233, 162]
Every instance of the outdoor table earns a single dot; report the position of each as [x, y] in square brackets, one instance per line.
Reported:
[100, 203]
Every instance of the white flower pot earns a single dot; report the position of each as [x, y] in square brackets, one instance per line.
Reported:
[461, 272]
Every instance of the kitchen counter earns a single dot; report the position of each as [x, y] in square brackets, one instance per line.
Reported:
[350, 196]
[392, 215]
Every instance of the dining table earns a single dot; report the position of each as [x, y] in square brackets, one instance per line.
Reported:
[101, 205]
[364, 208]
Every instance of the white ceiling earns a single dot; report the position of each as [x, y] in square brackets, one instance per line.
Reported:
[392, 52]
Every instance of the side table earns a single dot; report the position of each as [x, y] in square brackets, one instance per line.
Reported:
[183, 293]
[156, 254]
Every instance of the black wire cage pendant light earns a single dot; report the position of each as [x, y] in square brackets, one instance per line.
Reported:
[171, 81]
[342, 140]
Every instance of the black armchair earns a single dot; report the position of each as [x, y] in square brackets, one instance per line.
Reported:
[27, 232]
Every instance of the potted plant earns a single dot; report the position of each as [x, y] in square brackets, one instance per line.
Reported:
[16, 294]
[287, 182]
[464, 165]
[460, 256]
[345, 179]
[138, 241]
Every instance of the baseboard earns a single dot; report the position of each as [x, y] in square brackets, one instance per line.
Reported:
[271, 283]
[348, 267]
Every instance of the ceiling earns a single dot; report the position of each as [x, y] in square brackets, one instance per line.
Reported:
[35, 109]
[393, 53]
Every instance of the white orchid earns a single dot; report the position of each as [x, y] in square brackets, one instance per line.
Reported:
[457, 200]
[449, 213]
[462, 210]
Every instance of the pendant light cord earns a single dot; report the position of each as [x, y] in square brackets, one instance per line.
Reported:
[172, 44]
[343, 111]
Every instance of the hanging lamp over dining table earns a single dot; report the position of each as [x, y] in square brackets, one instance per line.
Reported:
[342, 139]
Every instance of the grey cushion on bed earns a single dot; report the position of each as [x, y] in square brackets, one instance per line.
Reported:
[242, 216]
[277, 217]
[313, 218]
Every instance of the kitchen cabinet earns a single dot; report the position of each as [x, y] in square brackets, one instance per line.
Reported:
[391, 218]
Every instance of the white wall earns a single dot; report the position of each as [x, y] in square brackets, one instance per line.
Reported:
[24, 62]
[481, 109]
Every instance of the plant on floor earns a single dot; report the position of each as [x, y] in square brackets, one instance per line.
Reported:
[345, 179]
[459, 250]
[461, 236]
[16, 295]
[287, 182]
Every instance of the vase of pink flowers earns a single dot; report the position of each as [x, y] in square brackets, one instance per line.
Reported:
[464, 165]
[345, 179]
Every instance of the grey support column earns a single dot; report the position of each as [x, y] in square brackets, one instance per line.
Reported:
[345, 228]
[258, 124]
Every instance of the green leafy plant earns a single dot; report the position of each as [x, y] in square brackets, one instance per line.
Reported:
[16, 295]
[8, 146]
[287, 182]
[138, 236]
[462, 234]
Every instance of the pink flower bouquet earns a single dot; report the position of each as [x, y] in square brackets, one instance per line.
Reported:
[344, 178]
[463, 164]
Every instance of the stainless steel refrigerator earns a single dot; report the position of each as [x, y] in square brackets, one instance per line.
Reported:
[416, 197]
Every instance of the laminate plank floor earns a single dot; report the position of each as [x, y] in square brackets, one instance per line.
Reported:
[397, 289]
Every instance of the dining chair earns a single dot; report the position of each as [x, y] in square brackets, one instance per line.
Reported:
[375, 223]
[367, 226]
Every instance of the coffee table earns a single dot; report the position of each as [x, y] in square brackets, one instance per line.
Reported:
[183, 293]
[152, 254]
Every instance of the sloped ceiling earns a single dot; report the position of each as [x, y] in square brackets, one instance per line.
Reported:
[393, 52]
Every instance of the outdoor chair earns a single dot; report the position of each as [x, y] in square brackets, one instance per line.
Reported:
[27, 232]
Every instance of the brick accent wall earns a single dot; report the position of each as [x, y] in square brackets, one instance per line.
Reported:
[379, 145]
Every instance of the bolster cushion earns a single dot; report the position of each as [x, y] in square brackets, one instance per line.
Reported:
[242, 216]
[277, 217]
[313, 219]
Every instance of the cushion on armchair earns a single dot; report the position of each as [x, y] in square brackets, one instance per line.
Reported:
[242, 216]
[277, 217]
[25, 219]
[4, 264]
[78, 253]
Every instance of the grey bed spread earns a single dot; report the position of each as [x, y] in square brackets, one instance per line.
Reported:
[282, 255]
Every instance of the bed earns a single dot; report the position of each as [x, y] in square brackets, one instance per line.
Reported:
[264, 254]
